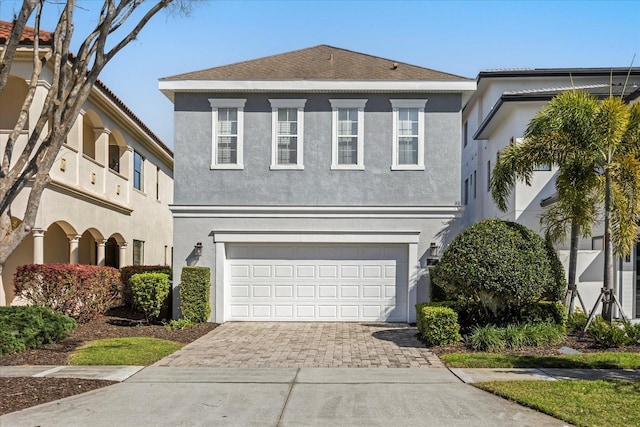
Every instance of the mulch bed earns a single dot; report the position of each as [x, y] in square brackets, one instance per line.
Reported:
[574, 341]
[22, 392]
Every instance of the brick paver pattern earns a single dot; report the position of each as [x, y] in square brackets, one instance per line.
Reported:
[314, 344]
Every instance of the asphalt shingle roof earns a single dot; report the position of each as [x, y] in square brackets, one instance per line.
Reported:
[321, 62]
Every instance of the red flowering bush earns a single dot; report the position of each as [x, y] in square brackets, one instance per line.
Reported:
[78, 291]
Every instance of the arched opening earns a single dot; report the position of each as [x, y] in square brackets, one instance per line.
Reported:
[90, 125]
[11, 100]
[88, 248]
[117, 150]
[56, 244]
[112, 253]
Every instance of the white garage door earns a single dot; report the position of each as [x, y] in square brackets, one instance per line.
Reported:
[316, 282]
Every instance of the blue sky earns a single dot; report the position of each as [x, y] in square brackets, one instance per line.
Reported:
[460, 37]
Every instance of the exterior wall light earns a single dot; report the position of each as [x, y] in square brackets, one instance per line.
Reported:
[197, 249]
[433, 258]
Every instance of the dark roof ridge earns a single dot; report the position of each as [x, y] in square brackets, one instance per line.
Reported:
[201, 74]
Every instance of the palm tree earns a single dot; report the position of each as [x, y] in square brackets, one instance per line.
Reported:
[595, 146]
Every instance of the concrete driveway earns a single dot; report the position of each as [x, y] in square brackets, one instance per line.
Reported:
[290, 374]
[165, 396]
[309, 344]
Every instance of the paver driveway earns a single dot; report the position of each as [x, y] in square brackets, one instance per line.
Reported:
[294, 345]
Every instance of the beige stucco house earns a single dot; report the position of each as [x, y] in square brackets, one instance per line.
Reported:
[111, 184]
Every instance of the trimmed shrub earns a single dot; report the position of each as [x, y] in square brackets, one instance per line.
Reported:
[130, 270]
[149, 290]
[24, 327]
[195, 287]
[492, 338]
[438, 325]
[498, 269]
[546, 312]
[608, 335]
[486, 338]
[79, 291]
[576, 321]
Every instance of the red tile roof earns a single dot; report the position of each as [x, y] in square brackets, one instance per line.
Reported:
[27, 35]
[318, 63]
[46, 38]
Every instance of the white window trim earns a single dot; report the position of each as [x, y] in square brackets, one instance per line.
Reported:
[408, 103]
[336, 104]
[217, 103]
[287, 103]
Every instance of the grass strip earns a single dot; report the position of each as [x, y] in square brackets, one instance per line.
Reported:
[610, 360]
[124, 351]
[582, 403]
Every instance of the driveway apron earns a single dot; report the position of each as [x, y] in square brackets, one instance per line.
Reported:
[309, 345]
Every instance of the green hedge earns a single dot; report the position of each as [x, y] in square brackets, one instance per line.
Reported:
[127, 272]
[79, 291]
[150, 291]
[498, 268]
[195, 287]
[437, 325]
[24, 327]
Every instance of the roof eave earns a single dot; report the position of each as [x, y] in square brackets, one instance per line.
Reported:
[170, 87]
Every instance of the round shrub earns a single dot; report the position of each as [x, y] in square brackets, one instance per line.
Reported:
[498, 268]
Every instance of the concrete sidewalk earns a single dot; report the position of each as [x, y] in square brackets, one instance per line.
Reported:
[466, 375]
[168, 396]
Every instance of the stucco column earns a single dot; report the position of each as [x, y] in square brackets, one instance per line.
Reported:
[74, 242]
[38, 245]
[101, 252]
[123, 254]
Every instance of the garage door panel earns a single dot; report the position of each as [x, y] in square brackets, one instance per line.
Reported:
[283, 291]
[349, 291]
[306, 271]
[353, 282]
[328, 272]
[261, 291]
[283, 312]
[349, 271]
[327, 291]
[305, 291]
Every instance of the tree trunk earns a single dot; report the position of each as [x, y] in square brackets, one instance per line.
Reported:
[607, 300]
[573, 266]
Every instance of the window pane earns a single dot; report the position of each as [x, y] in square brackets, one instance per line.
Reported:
[408, 121]
[347, 151]
[287, 150]
[408, 151]
[227, 149]
[348, 121]
[138, 163]
[138, 252]
[228, 121]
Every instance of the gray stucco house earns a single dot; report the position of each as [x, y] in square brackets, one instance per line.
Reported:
[316, 184]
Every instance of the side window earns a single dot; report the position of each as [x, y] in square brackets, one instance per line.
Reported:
[287, 146]
[347, 140]
[227, 131]
[138, 252]
[408, 134]
[138, 171]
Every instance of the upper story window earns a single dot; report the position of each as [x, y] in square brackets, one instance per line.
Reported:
[465, 133]
[227, 130]
[408, 134]
[138, 171]
[347, 141]
[287, 133]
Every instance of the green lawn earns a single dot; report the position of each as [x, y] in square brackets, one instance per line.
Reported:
[124, 351]
[582, 403]
[574, 361]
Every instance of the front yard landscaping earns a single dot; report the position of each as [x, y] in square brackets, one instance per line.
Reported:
[581, 403]
[118, 323]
